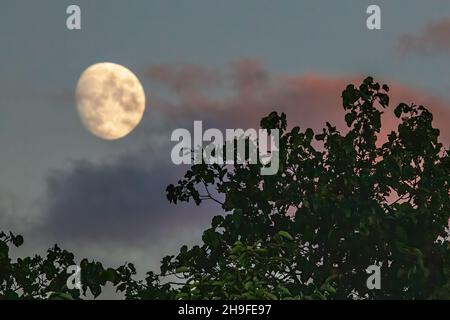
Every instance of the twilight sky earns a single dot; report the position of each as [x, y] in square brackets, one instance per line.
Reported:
[227, 63]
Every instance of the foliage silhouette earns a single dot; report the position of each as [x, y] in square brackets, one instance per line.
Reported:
[338, 204]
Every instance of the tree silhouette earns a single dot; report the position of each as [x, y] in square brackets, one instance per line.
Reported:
[338, 204]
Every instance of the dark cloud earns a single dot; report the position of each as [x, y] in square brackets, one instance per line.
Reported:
[434, 39]
[122, 201]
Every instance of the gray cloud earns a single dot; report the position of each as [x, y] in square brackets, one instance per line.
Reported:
[434, 39]
[120, 202]
[185, 78]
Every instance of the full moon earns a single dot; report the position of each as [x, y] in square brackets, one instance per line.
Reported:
[110, 100]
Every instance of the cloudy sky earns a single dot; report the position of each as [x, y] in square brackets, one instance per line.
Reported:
[227, 63]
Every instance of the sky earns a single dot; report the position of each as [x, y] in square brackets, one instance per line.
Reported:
[228, 63]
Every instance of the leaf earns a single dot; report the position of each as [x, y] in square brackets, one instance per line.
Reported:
[182, 269]
[309, 134]
[182, 296]
[60, 296]
[349, 118]
[110, 275]
[400, 109]
[17, 240]
[217, 221]
[285, 235]
[121, 287]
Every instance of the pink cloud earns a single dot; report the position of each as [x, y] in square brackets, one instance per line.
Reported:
[435, 38]
[309, 100]
[184, 78]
